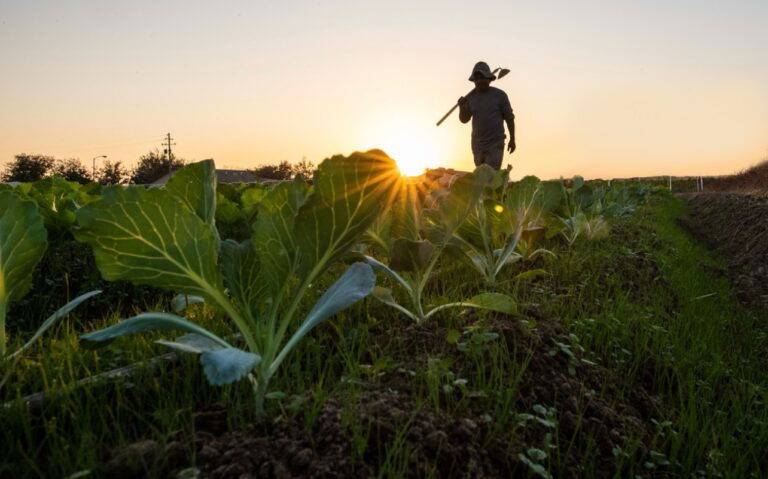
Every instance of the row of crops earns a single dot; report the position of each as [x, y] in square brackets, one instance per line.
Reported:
[259, 254]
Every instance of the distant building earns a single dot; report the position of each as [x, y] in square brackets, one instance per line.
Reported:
[222, 176]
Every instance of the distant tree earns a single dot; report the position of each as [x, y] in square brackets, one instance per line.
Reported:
[152, 166]
[72, 170]
[25, 167]
[285, 170]
[305, 169]
[281, 171]
[112, 173]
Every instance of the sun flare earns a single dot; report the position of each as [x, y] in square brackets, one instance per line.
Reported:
[413, 156]
[408, 139]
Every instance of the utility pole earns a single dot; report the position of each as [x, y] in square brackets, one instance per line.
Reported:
[167, 151]
[93, 174]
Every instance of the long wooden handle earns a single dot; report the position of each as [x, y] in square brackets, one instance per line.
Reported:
[447, 114]
[452, 108]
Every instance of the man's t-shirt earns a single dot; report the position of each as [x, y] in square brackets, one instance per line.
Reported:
[489, 110]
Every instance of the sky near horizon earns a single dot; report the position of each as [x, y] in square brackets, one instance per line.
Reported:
[599, 88]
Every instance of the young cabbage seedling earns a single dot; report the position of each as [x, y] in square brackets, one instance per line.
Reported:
[413, 258]
[167, 238]
[23, 240]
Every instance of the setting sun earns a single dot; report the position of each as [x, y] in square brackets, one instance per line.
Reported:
[412, 156]
[410, 139]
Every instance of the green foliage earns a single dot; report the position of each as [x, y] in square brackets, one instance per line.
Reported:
[72, 170]
[152, 166]
[166, 237]
[67, 270]
[58, 200]
[586, 209]
[26, 167]
[491, 237]
[112, 173]
[195, 185]
[236, 208]
[286, 171]
[414, 256]
[23, 240]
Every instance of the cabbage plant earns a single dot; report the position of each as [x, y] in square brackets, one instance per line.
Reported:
[585, 210]
[491, 236]
[420, 238]
[23, 240]
[58, 200]
[167, 237]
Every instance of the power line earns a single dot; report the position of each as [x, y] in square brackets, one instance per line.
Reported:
[73, 149]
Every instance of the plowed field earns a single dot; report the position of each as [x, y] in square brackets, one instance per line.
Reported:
[736, 226]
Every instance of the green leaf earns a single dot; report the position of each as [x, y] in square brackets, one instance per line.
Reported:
[242, 274]
[453, 336]
[152, 237]
[349, 192]
[227, 211]
[60, 313]
[584, 197]
[477, 260]
[230, 191]
[530, 199]
[531, 274]
[462, 199]
[493, 302]
[273, 235]
[410, 255]
[382, 268]
[23, 240]
[536, 454]
[150, 322]
[195, 185]
[191, 343]
[500, 178]
[251, 198]
[180, 302]
[57, 200]
[356, 283]
[225, 366]
[384, 295]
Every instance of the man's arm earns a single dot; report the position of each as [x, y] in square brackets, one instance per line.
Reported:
[464, 114]
[509, 117]
[511, 126]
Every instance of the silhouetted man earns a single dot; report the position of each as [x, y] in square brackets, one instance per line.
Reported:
[488, 108]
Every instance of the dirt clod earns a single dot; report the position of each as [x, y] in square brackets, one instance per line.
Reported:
[134, 460]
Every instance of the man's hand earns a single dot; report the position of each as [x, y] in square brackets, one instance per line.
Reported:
[462, 101]
[511, 147]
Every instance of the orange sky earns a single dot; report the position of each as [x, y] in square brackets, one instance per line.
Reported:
[604, 89]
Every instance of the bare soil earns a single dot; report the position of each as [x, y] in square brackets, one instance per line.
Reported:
[460, 444]
[736, 226]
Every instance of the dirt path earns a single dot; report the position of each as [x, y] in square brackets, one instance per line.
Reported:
[736, 226]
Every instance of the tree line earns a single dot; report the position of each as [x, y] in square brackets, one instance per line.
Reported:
[151, 167]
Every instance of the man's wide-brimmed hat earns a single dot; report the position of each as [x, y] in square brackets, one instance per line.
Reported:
[484, 69]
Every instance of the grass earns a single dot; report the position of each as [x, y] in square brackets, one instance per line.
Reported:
[647, 307]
